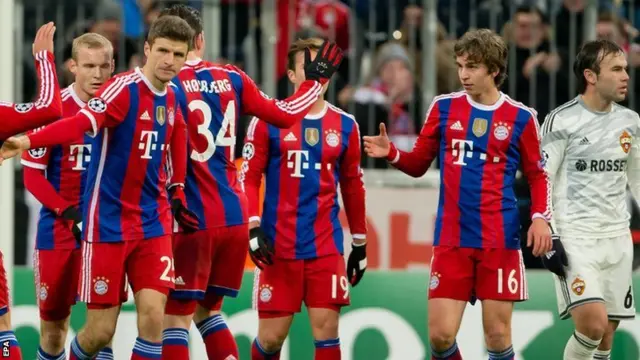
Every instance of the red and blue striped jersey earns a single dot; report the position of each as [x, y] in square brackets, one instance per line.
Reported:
[303, 167]
[137, 127]
[212, 98]
[64, 167]
[480, 149]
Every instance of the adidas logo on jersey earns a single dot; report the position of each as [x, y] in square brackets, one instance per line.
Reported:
[290, 137]
[585, 141]
[145, 116]
[179, 281]
[456, 126]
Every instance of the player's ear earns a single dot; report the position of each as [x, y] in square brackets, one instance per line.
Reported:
[199, 41]
[590, 76]
[292, 76]
[147, 49]
[71, 65]
[113, 65]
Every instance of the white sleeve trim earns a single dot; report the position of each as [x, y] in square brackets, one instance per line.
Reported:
[397, 157]
[254, 218]
[33, 165]
[94, 123]
[359, 236]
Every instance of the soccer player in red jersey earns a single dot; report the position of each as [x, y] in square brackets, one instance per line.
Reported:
[481, 138]
[17, 118]
[210, 259]
[56, 176]
[140, 141]
[298, 243]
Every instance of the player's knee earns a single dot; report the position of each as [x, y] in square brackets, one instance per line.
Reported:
[594, 329]
[497, 335]
[591, 321]
[325, 327]
[100, 332]
[53, 338]
[441, 338]
[151, 316]
[271, 341]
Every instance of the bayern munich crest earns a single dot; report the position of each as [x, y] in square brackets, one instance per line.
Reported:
[501, 131]
[100, 285]
[265, 293]
[43, 292]
[435, 280]
[171, 116]
[332, 138]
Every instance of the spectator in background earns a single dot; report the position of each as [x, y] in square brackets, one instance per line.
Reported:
[108, 23]
[391, 97]
[528, 36]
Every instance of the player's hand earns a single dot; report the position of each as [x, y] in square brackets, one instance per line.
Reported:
[539, 236]
[556, 259]
[357, 263]
[72, 214]
[260, 248]
[44, 38]
[377, 146]
[325, 64]
[187, 219]
[13, 146]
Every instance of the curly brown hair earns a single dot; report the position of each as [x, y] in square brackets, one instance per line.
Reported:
[483, 46]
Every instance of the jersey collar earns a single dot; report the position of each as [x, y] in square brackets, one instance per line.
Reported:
[487, 107]
[74, 95]
[149, 84]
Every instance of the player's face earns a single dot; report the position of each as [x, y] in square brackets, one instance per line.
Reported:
[92, 68]
[297, 76]
[166, 57]
[613, 79]
[474, 77]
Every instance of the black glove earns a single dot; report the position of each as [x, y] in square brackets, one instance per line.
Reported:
[72, 214]
[556, 259]
[325, 64]
[187, 219]
[357, 263]
[260, 248]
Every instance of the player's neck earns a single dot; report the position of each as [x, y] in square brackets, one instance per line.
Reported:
[594, 102]
[317, 107]
[85, 97]
[155, 82]
[194, 55]
[488, 97]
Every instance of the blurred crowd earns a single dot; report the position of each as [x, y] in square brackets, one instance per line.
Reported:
[380, 80]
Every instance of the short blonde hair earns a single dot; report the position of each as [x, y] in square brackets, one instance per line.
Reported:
[299, 46]
[90, 41]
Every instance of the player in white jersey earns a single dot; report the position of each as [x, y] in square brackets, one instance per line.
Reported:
[592, 152]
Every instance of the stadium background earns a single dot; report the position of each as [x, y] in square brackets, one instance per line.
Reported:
[399, 58]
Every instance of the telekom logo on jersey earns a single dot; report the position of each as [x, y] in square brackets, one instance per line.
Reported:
[79, 155]
[148, 143]
[461, 149]
[298, 160]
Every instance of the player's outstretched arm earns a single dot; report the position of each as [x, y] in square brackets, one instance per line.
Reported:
[539, 235]
[285, 113]
[18, 118]
[415, 162]
[353, 197]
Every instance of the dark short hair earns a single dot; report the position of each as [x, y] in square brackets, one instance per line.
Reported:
[172, 28]
[590, 56]
[188, 14]
[531, 9]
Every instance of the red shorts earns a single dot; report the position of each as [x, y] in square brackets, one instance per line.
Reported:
[210, 261]
[56, 274]
[282, 287]
[106, 267]
[486, 274]
[4, 289]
